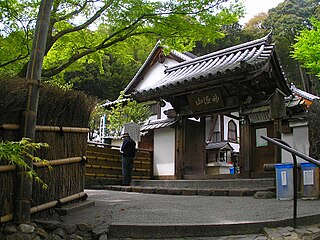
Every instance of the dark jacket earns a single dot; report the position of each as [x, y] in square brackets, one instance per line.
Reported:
[128, 147]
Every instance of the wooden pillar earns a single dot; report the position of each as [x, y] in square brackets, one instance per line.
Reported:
[277, 126]
[245, 148]
[180, 149]
[277, 112]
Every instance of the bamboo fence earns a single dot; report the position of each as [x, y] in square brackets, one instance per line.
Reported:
[62, 122]
[104, 164]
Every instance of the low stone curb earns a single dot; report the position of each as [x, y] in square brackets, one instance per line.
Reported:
[270, 230]
[263, 193]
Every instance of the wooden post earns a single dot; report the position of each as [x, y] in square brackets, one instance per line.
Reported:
[245, 148]
[24, 182]
[277, 126]
[277, 112]
[179, 150]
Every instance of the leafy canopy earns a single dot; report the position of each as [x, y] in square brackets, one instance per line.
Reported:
[306, 49]
[82, 31]
[286, 21]
[125, 112]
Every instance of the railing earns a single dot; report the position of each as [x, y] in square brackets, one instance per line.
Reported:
[282, 144]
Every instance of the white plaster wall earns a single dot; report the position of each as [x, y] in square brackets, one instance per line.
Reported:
[299, 140]
[164, 152]
[166, 107]
[155, 73]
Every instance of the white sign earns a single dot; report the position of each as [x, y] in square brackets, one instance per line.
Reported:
[284, 178]
[259, 141]
[133, 129]
[308, 177]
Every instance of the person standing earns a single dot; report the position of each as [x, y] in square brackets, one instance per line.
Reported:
[128, 151]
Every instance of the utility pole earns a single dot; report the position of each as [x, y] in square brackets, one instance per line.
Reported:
[28, 124]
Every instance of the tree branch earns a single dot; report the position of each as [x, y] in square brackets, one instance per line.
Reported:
[77, 28]
[117, 36]
[20, 57]
[55, 70]
[75, 12]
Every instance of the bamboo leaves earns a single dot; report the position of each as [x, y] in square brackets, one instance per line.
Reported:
[16, 153]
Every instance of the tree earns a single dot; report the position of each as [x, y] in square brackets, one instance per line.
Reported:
[106, 80]
[285, 21]
[82, 31]
[233, 35]
[255, 26]
[306, 48]
[126, 112]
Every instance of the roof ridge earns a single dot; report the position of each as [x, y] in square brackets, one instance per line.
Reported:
[253, 43]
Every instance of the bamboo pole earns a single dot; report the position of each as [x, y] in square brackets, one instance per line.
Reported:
[40, 128]
[61, 129]
[102, 167]
[48, 205]
[10, 126]
[6, 218]
[7, 168]
[22, 204]
[62, 161]
[73, 197]
[43, 206]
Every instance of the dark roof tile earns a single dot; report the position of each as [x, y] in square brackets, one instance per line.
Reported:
[251, 56]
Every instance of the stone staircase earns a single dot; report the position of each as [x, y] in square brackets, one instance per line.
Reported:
[214, 187]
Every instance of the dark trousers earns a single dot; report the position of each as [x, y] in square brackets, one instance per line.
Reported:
[127, 165]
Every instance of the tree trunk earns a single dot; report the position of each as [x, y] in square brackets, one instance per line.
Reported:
[28, 124]
[314, 130]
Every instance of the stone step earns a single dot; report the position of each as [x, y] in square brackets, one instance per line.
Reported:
[235, 192]
[237, 183]
[68, 208]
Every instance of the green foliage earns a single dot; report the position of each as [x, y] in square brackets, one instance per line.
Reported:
[16, 152]
[126, 112]
[81, 32]
[233, 35]
[105, 78]
[285, 21]
[255, 26]
[306, 49]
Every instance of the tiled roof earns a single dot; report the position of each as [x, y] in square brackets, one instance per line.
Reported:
[250, 57]
[301, 93]
[108, 104]
[158, 124]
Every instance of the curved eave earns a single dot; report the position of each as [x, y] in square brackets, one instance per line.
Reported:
[205, 79]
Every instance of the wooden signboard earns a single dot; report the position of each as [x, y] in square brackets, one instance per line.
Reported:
[205, 101]
[133, 129]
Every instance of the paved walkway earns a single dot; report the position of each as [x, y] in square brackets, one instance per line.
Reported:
[139, 215]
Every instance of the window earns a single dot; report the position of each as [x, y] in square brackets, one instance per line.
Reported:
[155, 110]
[232, 131]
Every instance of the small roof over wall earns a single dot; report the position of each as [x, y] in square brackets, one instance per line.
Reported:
[158, 124]
[219, 146]
[221, 81]
[307, 97]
